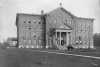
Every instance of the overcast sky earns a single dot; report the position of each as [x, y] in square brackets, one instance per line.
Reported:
[9, 8]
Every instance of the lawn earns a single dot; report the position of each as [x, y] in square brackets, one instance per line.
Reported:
[14, 57]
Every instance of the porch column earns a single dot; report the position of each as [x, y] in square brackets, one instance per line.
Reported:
[67, 38]
[56, 38]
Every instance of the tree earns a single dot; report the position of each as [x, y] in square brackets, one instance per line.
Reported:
[96, 38]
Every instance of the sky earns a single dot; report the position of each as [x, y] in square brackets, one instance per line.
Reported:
[9, 8]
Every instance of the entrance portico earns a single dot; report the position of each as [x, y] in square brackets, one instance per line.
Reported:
[62, 38]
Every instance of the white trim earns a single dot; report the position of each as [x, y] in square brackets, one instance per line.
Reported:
[67, 38]
[58, 30]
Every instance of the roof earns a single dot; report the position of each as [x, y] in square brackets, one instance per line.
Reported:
[64, 10]
[68, 26]
[28, 14]
[12, 39]
[61, 8]
[65, 27]
[72, 15]
[18, 14]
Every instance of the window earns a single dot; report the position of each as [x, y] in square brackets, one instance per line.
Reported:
[29, 21]
[66, 20]
[81, 30]
[34, 36]
[39, 22]
[85, 28]
[24, 21]
[34, 21]
[24, 38]
[55, 21]
[40, 42]
[79, 40]
[70, 22]
[29, 28]
[62, 42]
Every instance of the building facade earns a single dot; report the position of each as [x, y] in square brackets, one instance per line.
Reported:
[58, 28]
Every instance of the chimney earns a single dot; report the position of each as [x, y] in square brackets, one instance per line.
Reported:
[42, 12]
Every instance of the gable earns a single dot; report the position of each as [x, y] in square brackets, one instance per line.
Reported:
[61, 10]
[65, 27]
[58, 18]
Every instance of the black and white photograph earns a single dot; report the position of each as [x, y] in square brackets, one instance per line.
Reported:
[49, 33]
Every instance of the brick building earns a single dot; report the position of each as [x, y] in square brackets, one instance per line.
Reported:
[58, 28]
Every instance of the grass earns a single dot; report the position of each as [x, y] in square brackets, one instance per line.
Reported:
[14, 57]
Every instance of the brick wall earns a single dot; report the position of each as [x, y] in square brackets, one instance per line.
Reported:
[84, 29]
[30, 30]
[81, 27]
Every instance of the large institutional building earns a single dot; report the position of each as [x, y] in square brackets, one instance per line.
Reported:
[58, 28]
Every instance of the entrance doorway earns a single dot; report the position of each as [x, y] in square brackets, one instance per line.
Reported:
[62, 38]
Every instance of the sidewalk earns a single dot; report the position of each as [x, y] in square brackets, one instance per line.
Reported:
[87, 52]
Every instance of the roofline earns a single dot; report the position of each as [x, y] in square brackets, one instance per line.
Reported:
[17, 14]
[28, 14]
[68, 26]
[63, 29]
[85, 18]
[72, 15]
